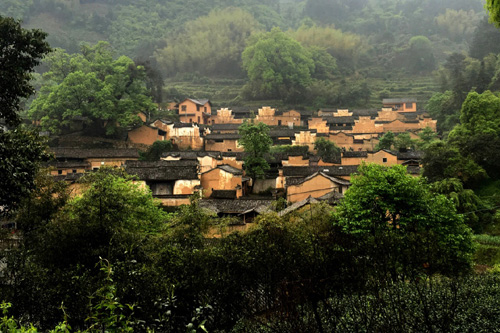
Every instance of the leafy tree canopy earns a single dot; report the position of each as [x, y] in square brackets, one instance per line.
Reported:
[277, 66]
[106, 94]
[397, 214]
[255, 139]
[327, 150]
[20, 52]
[211, 44]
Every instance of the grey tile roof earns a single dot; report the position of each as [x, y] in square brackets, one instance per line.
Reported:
[398, 100]
[82, 153]
[163, 170]
[229, 206]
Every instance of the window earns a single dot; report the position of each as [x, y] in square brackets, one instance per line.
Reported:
[409, 105]
[74, 171]
[184, 108]
[190, 120]
[197, 108]
[219, 140]
[59, 172]
[205, 109]
[384, 160]
[279, 122]
[95, 169]
[198, 119]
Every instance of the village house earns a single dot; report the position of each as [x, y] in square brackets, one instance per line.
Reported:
[206, 160]
[76, 158]
[400, 104]
[315, 185]
[146, 135]
[195, 111]
[224, 116]
[172, 182]
[271, 117]
[224, 181]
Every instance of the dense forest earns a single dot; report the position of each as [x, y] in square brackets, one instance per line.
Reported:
[353, 53]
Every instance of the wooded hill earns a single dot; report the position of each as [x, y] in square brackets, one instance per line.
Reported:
[362, 50]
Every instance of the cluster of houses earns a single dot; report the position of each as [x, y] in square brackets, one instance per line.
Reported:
[209, 160]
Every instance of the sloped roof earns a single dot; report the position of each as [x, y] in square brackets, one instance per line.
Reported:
[319, 173]
[298, 205]
[231, 169]
[410, 155]
[398, 100]
[225, 127]
[229, 206]
[223, 136]
[348, 154]
[304, 171]
[82, 153]
[197, 101]
[340, 120]
[163, 170]
[223, 194]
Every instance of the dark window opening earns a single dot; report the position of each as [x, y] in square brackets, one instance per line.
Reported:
[59, 172]
[197, 108]
[74, 171]
[279, 122]
[384, 160]
[183, 108]
[409, 105]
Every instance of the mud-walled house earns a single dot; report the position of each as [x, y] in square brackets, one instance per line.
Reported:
[195, 111]
[172, 182]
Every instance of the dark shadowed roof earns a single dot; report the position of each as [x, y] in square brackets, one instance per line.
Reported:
[223, 194]
[224, 136]
[298, 205]
[191, 155]
[225, 127]
[231, 169]
[410, 155]
[398, 100]
[351, 154]
[69, 164]
[304, 171]
[365, 113]
[319, 173]
[163, 170]
[82, 153]
[197, 101]
[340, 120]
[227, 206]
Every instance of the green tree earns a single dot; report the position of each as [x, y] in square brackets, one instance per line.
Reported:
[154, 152]
[478, 135]
[403, 141]
[493, 6]
[21, 151]
[255, 139]
[426, 136]
[442, 160]
[277, 66]
[210, 45]
[420, 54]
[386, 141]
[327, 150]
[106, 93]
[405, 229]
[20, 52]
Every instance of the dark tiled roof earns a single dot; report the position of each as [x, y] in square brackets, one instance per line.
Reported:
[398, 100]
[182, 125]
[225, 127]
[163, 170]
[283, 132]
[69, 165]
[225, 206]
[351, 154]
[340, 120]
[410, 155]
[413, 169]
[319, 173]
[223, 194]
[82, 153]
[298, 205]
[224, 136]
[304, 171]
[231, 169]
[340, 128]
[191, 155]
[365, 113]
